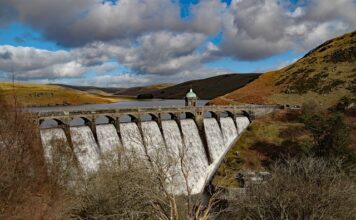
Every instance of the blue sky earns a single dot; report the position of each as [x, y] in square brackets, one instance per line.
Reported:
[139, 42]
[19, 34]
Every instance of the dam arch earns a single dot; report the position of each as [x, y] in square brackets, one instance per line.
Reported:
[187, 115]
[224, 114]
[167, 116]
[80, 121]
[246, 114]
[127, 118]
[104, 119]
[208, 114]
[212, 114]
[149, 117]
[51, 123]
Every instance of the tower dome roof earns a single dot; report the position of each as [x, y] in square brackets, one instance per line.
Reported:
[191, 94]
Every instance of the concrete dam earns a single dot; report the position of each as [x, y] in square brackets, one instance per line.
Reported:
[192, 139]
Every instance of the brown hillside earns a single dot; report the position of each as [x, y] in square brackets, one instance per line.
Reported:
[325, 75]
[30, 94]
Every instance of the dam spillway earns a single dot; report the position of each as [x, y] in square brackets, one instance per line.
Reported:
[85, 148]
[178, 144]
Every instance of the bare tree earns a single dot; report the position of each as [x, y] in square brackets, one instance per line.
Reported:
[22, 164]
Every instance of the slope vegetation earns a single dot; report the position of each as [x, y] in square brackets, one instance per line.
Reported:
[208, 88]
[325, 75]
[110, 90]
[134, 91]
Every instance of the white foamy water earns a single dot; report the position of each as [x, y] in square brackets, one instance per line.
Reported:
[178, 153]
[196, 164]
[242, 124]
[85, 148]
[214, 138]
[229, 130]
[174, 143]
[51, 138]
[132, 140]
[59, 156]
[109, 142]
[154, 143]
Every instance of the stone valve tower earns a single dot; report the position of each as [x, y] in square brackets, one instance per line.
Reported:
[191, 98]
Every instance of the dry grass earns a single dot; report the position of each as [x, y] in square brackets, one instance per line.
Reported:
[256, 92]
[326, 74]
[49, 95]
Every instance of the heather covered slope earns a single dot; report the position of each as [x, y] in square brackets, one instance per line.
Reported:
[325, 75]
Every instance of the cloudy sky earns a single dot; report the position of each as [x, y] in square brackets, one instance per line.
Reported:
[127, 43]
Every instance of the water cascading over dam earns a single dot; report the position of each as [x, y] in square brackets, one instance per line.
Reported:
[109, 142]
[177, 144]
[85, 148]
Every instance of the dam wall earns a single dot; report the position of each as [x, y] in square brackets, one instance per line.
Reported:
[179, 145]
[188, 144]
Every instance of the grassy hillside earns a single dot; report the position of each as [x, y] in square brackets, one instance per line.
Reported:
[29, 94]
[263, 141]
[110, 90]
[208, 88]
[277, 135]
[325, 75]
[134, 91]
[123, 92]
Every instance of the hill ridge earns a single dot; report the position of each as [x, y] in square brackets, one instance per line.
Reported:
[326, 74]
[207, 88]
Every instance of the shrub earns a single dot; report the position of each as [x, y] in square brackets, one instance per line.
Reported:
[21, 161]
[306, 188]
[330, 134]
[310, 107]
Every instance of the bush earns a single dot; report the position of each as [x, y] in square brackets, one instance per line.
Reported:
[145, 96]
[306, 188]
[117, 194]
[310, 107]
[330, 134]
[21, 160]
